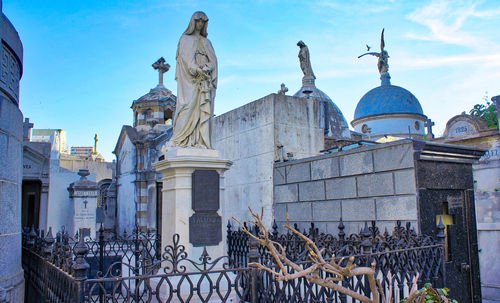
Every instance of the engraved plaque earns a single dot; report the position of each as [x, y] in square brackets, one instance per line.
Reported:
[205, 229]
[205, 190]
[454, 202]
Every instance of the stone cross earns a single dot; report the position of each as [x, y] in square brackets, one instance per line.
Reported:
[429, 124]
[95, 143]
[85, 202]
[283, 89]
[27, 126]
[162, 68]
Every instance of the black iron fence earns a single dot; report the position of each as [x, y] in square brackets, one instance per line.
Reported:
[65, 269]
[368, 240]
[58, 270]
[399, 256]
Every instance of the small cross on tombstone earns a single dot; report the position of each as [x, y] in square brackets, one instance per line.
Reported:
[85, 202]
[429, 124]
[283, 89]
[27, 126]
[162, 68]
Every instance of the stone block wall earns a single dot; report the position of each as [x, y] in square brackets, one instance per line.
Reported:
[363, 184]
[249, 135]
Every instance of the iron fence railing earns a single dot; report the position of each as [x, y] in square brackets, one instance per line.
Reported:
[60, 269]
[398, 256]
[368, 240]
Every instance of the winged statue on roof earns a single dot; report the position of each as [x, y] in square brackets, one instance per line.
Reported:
[383, 56]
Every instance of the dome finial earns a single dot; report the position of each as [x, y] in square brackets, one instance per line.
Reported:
[386, 79]
[383, 61]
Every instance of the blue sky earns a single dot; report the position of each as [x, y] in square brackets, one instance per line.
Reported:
[86, 61]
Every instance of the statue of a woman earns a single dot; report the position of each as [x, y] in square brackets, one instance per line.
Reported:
[305, 61]
[196, 76]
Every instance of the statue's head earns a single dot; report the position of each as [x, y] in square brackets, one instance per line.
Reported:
[301, 44]
[199, 21]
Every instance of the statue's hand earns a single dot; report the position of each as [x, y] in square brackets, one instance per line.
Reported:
[195, 71]
[207, 69]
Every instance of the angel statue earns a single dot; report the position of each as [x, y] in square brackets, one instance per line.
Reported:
[196, 76]
[383, 57]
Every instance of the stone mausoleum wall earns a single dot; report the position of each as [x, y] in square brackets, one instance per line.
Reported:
[127, 197]
[11, 161]
[358, 185]
[249, 137]
[487, 196]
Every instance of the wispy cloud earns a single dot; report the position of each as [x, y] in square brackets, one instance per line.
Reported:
[441, 61]
[359, 6]
[446, 19]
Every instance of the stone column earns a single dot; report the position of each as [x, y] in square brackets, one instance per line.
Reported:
[11, 161]
[203, 227]
[83, 195]
[44, 203]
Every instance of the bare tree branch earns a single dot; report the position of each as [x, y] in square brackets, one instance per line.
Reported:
[319, 264]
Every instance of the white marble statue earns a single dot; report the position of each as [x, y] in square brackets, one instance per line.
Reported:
[196, 76]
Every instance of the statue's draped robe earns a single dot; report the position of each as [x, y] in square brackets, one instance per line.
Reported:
[305, 62]
[195, 94]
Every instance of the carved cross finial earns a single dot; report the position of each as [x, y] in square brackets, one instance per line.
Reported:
[162, 68]
[283, 89]
[27, 126]
[429, 124]
[95, 143]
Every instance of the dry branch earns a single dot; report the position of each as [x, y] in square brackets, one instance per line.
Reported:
[319, 264]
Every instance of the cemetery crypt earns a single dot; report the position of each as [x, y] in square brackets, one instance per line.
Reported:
[290, 154]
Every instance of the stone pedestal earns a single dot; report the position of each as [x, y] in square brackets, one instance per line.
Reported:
[83, 194]
[178, 215]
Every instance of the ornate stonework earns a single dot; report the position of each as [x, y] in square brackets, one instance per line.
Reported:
[11, 73]
[158, 94]
[464, 125]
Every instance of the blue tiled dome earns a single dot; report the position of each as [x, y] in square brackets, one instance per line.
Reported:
[387, 99]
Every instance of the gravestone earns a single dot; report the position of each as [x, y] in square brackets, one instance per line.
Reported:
[464, 125]
[192, 199]
[205, 225]
[83, 195]
[205, 190]
[205, 229]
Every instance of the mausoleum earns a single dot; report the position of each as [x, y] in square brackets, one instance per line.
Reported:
[138, 185]
[388, 110]
[470, 130]
[331, 118]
